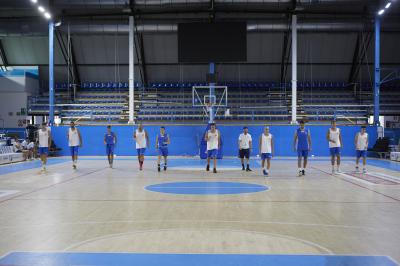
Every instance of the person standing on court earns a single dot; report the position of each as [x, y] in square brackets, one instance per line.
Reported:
[142, 140]
[44, 139]
[245, 146]
[334, 138]
[361, 143]
[110, 140]
[302, 143]
[74, 142]
[162, 142]
[266, 149]
[213, 139]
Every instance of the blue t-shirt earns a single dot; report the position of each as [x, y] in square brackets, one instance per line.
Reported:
[110, 138]
[302, 139]
[162, 140]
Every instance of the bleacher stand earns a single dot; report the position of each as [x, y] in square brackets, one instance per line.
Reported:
[7, 155]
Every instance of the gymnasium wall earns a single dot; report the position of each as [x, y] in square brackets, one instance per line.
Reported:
[185, 140]
[14, 91]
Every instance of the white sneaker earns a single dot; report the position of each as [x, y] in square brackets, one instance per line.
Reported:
[338, 171]
[333, 171]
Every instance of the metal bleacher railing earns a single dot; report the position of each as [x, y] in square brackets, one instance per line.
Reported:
[256, 101]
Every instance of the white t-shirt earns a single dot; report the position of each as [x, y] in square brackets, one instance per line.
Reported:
[30, 146]
[244, 141]
[73, 137]
[141, 141]
[362, 141]
[266, 143]
[43, 138]
[213, 139]
[24, 144]
[334, 135]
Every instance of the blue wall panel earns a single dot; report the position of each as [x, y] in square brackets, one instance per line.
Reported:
[185, 140]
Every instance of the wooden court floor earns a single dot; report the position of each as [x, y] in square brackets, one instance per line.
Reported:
[97, 209]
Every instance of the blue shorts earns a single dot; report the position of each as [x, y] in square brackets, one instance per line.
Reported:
[265, 156]
[110, 149]
[334, 151]
[74, 150]
[302, 153]
[141, 151]
[43, 150]
[362, 153]
[163, 151]
[212, 153]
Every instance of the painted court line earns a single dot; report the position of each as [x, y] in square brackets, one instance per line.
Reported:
[154, 259]
[49, 186]
[4, 193]
[372, 179]
[320, 247]
[377, 192]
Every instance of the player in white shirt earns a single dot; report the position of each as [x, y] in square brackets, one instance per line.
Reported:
[213, 138]
[245, 144]
[74, 142]
[44, 140]
[142, 141]
[266, 148]
[361, 143]
[334, 138]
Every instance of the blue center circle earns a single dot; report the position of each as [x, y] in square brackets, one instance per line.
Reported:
[206, 188]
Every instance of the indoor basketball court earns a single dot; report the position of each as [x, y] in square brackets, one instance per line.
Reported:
[241, 133]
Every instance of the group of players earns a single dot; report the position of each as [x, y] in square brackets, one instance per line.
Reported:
[301, 144]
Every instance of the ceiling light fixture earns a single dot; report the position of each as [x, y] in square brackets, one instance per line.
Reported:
[388, 5]
[41, 9]
[381, 12]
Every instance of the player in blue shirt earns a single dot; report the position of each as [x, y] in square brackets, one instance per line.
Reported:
[162, 142]
[110, 139]
[302, 144]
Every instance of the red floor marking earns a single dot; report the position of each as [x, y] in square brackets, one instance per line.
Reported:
[373, 179]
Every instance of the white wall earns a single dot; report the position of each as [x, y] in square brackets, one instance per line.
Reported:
[13, 96]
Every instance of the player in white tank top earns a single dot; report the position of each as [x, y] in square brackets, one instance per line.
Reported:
[44, 139]
[142, 141]
[213, 139]
[74, 142]
[361, 143]
[334, 138]
[266, 148]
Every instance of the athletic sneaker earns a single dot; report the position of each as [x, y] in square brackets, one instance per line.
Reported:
[214, 170]
[300, 173]
[357, 169]
[338, 171]
[303, 172]
[243, 167]
[333, 171]
[74, 166]
[158, 168]
[265, 172]
[165, 168]
[208, 167]
[364, 171]
[248, 169]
